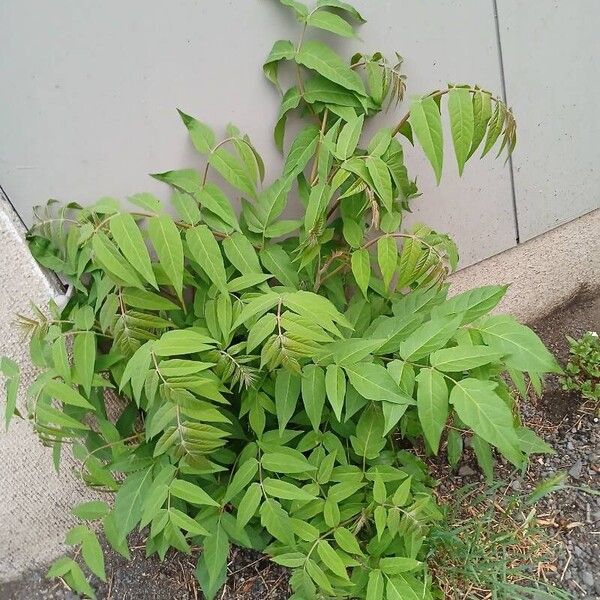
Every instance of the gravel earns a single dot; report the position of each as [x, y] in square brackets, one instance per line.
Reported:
[573, 513]
[572, 428]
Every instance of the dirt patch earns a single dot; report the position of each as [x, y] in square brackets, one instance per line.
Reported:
[574, 319]
[251, 576]
[572, 427]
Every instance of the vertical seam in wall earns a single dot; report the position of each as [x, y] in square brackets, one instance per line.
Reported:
[55, 284]
[5, 196]
[510, 161]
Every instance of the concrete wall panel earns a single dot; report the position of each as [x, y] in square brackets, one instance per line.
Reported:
[550, 50]
[90, 90]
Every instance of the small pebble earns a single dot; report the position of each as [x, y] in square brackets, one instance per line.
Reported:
[587, 578]
[465, 471]
[575, 470]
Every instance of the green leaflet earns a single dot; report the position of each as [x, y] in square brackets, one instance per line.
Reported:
[462, 124]
[387, 258]
[463, 358]
[313, 393]
[249, 504]
[522, 348]
[317, 204]
[183, 521]
[432, 405]
[335, 386]
[472, 303]
[107, 254]
[375, 383]
[485, 459]
[205, 251]
[216, 552]
[84, 357]
[66, 394]
[60, 359]
[182, 341]
[375, 585]
[212, 198]
[361, 269]
[319, 89]
[380, 142]
[10, 370]
[348, 138]
[495, 126]
[241, 254]
[232, 170]
[147, 300]
[201, 135]
[343, 6]
[330, 22]
[128, 502]
[350, 351]
[186, 206]
[319, 57]
[481, 409]
[331, 559]
[382, 180]
[290, 101]
[428, 337]
[482, 112]
[167, 242]
[191, 493]
[257, 307]
[426, 124]
[92, 510]
[282, 50]
[284, 490]
[531, 443]
[288, 462]
[287, 392]
[301, 151]
[128, 238]
[299, 8]
[276, 261]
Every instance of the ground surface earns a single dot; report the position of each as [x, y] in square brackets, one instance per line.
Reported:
[574, 432]
[571, 514]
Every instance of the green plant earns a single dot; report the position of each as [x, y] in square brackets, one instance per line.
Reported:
[582, 372]
[267, 369]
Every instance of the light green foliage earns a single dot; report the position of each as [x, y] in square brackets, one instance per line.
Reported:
[268, 365]
[582, 372]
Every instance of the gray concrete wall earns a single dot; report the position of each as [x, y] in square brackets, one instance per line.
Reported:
[91, 90]
[550, 51]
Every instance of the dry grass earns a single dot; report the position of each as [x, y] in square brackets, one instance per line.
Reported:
[492, 546]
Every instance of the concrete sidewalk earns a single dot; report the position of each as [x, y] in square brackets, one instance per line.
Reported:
[35, 501]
